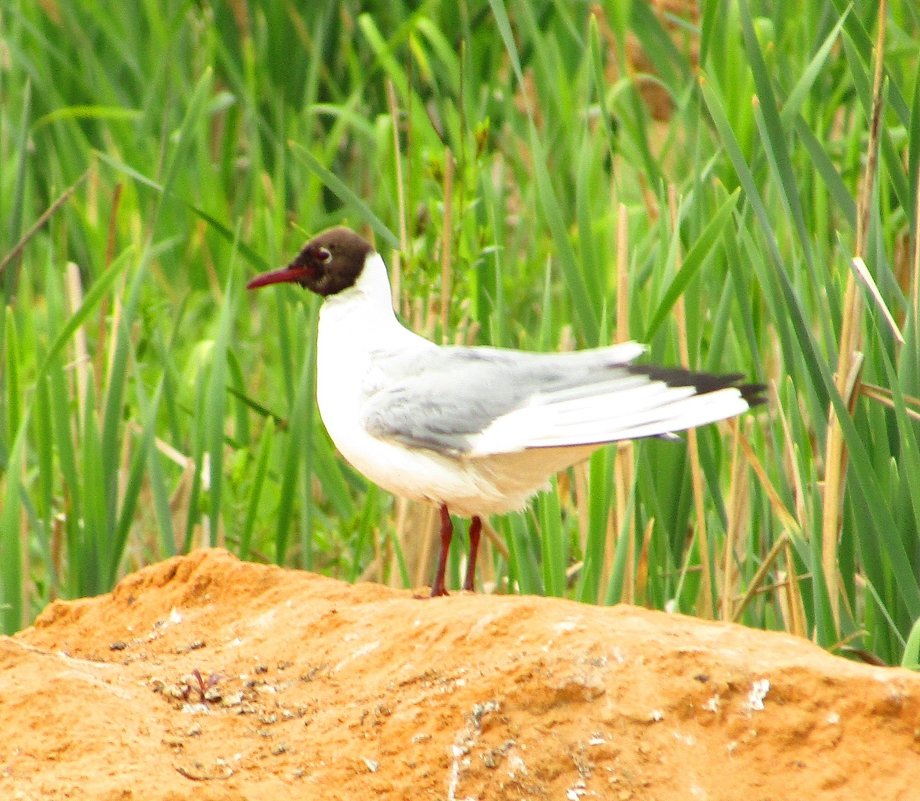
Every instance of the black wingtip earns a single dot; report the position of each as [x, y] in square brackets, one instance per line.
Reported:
[703, 383]
[754, 394]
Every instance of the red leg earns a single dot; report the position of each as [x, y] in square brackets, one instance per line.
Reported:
[475, 531]
[447, 531]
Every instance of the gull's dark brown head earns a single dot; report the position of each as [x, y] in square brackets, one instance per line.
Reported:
[327, 264]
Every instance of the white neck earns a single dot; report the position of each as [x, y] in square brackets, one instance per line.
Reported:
[358, 331]
[362, 316]
[371, 290]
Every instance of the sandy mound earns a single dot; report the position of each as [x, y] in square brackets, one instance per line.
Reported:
[311, 688]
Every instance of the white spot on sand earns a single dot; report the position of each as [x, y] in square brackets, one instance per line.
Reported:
[567, 625]
[516, 766]
[759, 690]
[457, 752]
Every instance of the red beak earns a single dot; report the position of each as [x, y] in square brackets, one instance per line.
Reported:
[285, 275]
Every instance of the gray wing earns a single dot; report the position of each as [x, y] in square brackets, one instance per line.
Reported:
[443, 399]
[482, 401]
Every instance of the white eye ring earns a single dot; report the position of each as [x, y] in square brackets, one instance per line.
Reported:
[323, 255]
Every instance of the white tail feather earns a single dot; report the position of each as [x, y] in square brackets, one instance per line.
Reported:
[644, 411]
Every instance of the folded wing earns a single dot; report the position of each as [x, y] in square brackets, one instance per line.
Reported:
[483, 401]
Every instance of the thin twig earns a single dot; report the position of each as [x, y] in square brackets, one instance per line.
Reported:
[885, 396]
[37, 225]
[759, 576]
[776, 502]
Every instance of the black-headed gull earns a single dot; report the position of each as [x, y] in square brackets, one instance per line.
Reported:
[475, 430]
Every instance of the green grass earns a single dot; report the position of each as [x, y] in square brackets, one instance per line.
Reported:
[155, 156]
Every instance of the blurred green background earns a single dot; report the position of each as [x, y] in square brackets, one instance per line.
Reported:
[539, 174]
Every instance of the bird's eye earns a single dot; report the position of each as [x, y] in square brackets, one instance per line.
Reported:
[323, 255]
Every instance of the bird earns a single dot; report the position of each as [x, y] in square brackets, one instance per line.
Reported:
[475, 430]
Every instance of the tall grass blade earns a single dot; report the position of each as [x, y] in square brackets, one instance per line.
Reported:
[13, 570]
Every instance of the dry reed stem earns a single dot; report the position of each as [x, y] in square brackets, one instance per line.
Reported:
[737, 502]
[884, 396]
[793, 594]
[424, 518]
[446, 250]
[402, 511]
[580, 471]
[641, 591]
[850, 343]
[74, 288]
[396, 258]
[776, 502]
[625, 455]
[707, 607]
[865, 277]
